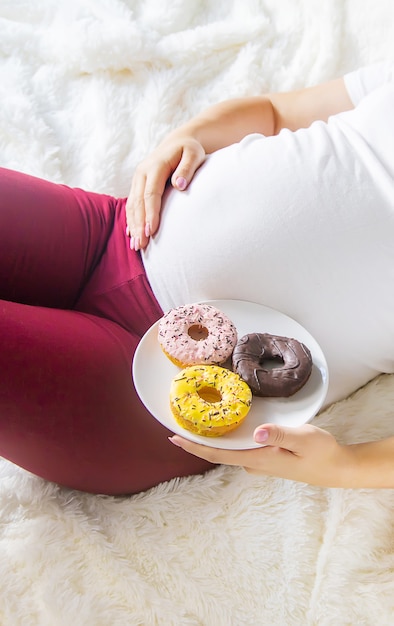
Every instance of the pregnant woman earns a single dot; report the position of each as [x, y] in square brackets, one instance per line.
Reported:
[285, 200]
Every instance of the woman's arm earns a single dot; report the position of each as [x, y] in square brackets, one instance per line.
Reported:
[228, 122]
[184, 149]
[308, 454]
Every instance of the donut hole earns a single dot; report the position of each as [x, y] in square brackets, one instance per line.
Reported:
[198, 332]
[271, 363]
[210, 394]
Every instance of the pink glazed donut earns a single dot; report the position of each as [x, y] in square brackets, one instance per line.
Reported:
[197, 334]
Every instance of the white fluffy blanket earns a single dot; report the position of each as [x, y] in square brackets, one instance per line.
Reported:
[87, 87]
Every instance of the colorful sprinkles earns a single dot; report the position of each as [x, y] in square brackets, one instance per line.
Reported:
[178, 343]
[190, 406]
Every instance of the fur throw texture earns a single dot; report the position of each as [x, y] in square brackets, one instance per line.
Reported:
[88, 88]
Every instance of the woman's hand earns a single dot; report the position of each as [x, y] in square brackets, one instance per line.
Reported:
[307, 454]
[177, 157]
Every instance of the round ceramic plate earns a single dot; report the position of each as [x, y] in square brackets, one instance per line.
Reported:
[153, 373]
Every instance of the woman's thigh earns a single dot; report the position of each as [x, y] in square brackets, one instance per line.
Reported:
[68, 408]
[51, 238]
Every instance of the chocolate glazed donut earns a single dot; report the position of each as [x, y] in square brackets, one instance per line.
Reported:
[272, 366]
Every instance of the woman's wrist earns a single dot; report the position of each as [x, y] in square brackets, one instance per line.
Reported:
[368, 465]
[228, 122]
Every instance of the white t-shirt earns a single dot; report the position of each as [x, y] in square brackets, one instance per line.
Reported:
[302, 222]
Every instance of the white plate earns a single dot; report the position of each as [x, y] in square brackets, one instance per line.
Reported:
[153, 373]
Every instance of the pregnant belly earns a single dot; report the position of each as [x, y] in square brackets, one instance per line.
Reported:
[252, 224]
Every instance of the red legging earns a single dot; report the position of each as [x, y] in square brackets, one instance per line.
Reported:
[74, 303]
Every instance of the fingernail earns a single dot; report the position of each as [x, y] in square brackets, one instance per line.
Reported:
[127, 232]
[174, 442]
[181, 183]
[147, 230]
[131, 243]
[136, 244]
[261, 435]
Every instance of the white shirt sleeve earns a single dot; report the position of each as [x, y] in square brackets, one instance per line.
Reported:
[363, 81]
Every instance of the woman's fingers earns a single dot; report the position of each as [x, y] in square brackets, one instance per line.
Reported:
[291, 440]
[135, 211]
[193, 155]
[143, 206]
[214, 455]
[152, 197]
[180, 160]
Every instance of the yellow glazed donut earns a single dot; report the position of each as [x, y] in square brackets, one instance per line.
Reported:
[209, 400]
